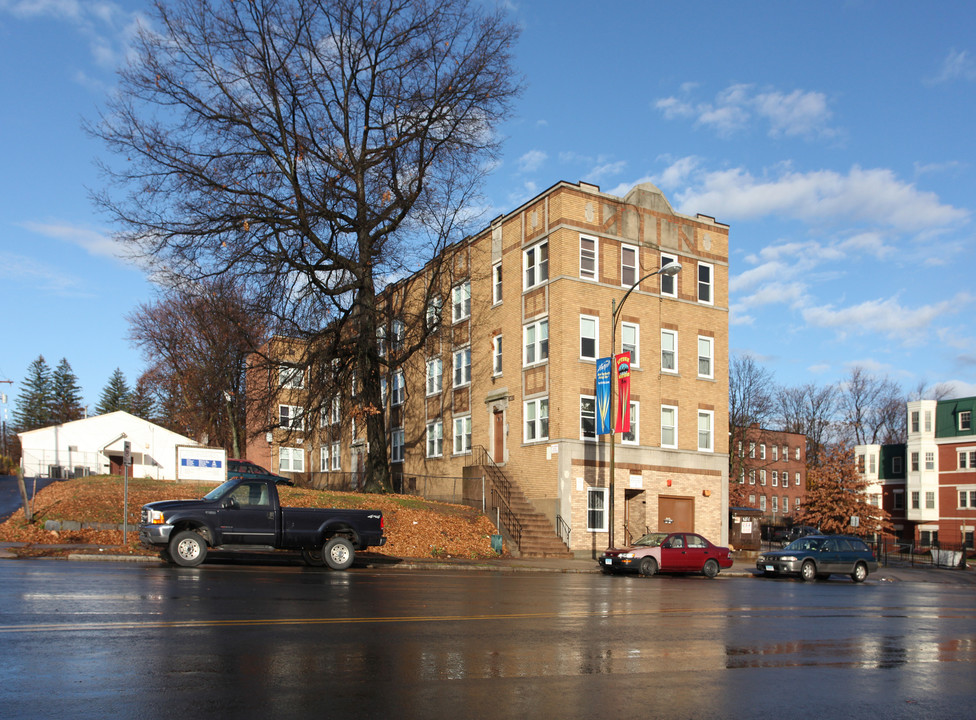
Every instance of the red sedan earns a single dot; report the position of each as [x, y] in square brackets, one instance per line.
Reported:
[668, 552]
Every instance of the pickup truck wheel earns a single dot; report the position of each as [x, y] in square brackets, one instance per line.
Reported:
[338, 553]
[187, 549]
[313, 558]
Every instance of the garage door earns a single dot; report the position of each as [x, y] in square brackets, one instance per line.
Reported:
[675, 514]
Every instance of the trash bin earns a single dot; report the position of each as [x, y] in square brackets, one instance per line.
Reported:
[496, 543]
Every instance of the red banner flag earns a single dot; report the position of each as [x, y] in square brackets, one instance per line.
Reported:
[622, 364]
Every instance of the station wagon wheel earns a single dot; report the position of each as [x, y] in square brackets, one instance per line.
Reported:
[710, 569]
[860, 572]
[648, 566]
[808, 571]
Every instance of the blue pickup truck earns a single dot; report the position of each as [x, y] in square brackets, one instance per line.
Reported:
[245, 513]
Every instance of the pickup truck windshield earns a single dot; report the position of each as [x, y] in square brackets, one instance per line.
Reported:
[219, 490]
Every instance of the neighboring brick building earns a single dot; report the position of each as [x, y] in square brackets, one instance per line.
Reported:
[928, 485]
[771, 471]
[513, 369]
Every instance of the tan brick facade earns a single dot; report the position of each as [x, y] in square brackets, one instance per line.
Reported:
[558, 468]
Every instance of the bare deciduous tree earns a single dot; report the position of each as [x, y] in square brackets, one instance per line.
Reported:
[810, 411]
[752, 394]
[873, 409]
[315, 152]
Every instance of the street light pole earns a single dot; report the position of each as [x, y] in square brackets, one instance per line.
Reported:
[671, 269]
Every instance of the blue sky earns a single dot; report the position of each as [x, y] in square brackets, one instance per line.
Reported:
[836, 139]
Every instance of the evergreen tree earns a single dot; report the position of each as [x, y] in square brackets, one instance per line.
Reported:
[34, 401]
[142, 403]
[115, 395]
[66, 403]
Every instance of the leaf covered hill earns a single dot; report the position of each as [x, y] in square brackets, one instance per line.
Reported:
[415, 527]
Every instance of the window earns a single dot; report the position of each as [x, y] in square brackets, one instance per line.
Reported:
[797, 479]
[928, 421]
[928, 537]
[786, 503]
[323, 459]
[762, 477]
[587, 417]
[434, 308]
[399, 333]
[775, 479]
[752, 450]
[461, 301]
[762, 451]
[632, 437]
[462, 367]
[462, 435]
[354, 384]
[536, 414]
[335, 410]
[930, 461]
[496, 355]
[589, 267]
[535, 261]
[896, 466]
[381, 341]
[914, 421]
[290, 376]
[705, 422]
[872, 463]
[536, 342]
[971, 498]
[705, 283]
[396, 445]
[775, 453]
[669, 426]
[496, 283]
[898, 500]
[630, 342]
[669, 283]
[797, 452]
[762, 503]
[967, 458]
[336, 456]
[914, 462]
[786, 454]
[435, 376]
[752, 477]
[628, 265]
[290, 416]
[930, 500]
[291, 459]
[435, 439]
[589, 329]
[965, 420]
[775, 503]
[398, 394]
[915, 500]
[752, 499]
[596, 509]
[669, 351]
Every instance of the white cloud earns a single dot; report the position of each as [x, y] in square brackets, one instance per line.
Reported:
[93, 242]
[799, 113]
[607, 169]
[958, 65]
[41, 277]
[532, 161]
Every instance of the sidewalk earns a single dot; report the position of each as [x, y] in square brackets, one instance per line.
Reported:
[740, 568]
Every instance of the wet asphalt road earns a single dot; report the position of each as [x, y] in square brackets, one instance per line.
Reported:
[104, 640]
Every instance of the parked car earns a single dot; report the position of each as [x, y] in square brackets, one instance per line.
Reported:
[668, 552]
[819, 556]
[246, 468]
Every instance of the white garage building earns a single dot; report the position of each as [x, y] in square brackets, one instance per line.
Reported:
[95, 446]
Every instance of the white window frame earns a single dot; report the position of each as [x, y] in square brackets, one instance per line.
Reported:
[535, 426]
[626, 248]
[496, 356]
[295, 457]
[709, 357]
[592, 509]
[593, 274]
[633, 347]
[381, 341]
[595, 337]
[435, 309]
[669, 283]
[293, 417]
[462, 435]
[632, 437]
[461, 301]
[324, 458]
[496, 283]
[336, 454]
[535, 265]
[674, 427]
[435, 439]
[435, 376]
[539, 345]
[674, 352]
[462, 367]
[398, 334]
[708, 284]
[965, 420]
[398, 389]
[709, 446]
[396, 445]
[588, 413]
[291, 377]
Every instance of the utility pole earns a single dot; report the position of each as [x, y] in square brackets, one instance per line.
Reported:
[3, 420]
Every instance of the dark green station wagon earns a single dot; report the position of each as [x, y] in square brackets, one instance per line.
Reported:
[818, 556]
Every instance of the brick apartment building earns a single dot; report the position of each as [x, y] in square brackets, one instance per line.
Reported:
[928, 485]
[506, 387]
[770, 468]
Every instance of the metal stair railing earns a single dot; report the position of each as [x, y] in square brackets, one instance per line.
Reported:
[501, 492]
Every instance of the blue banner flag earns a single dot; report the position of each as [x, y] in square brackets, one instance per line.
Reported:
[603, 370]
